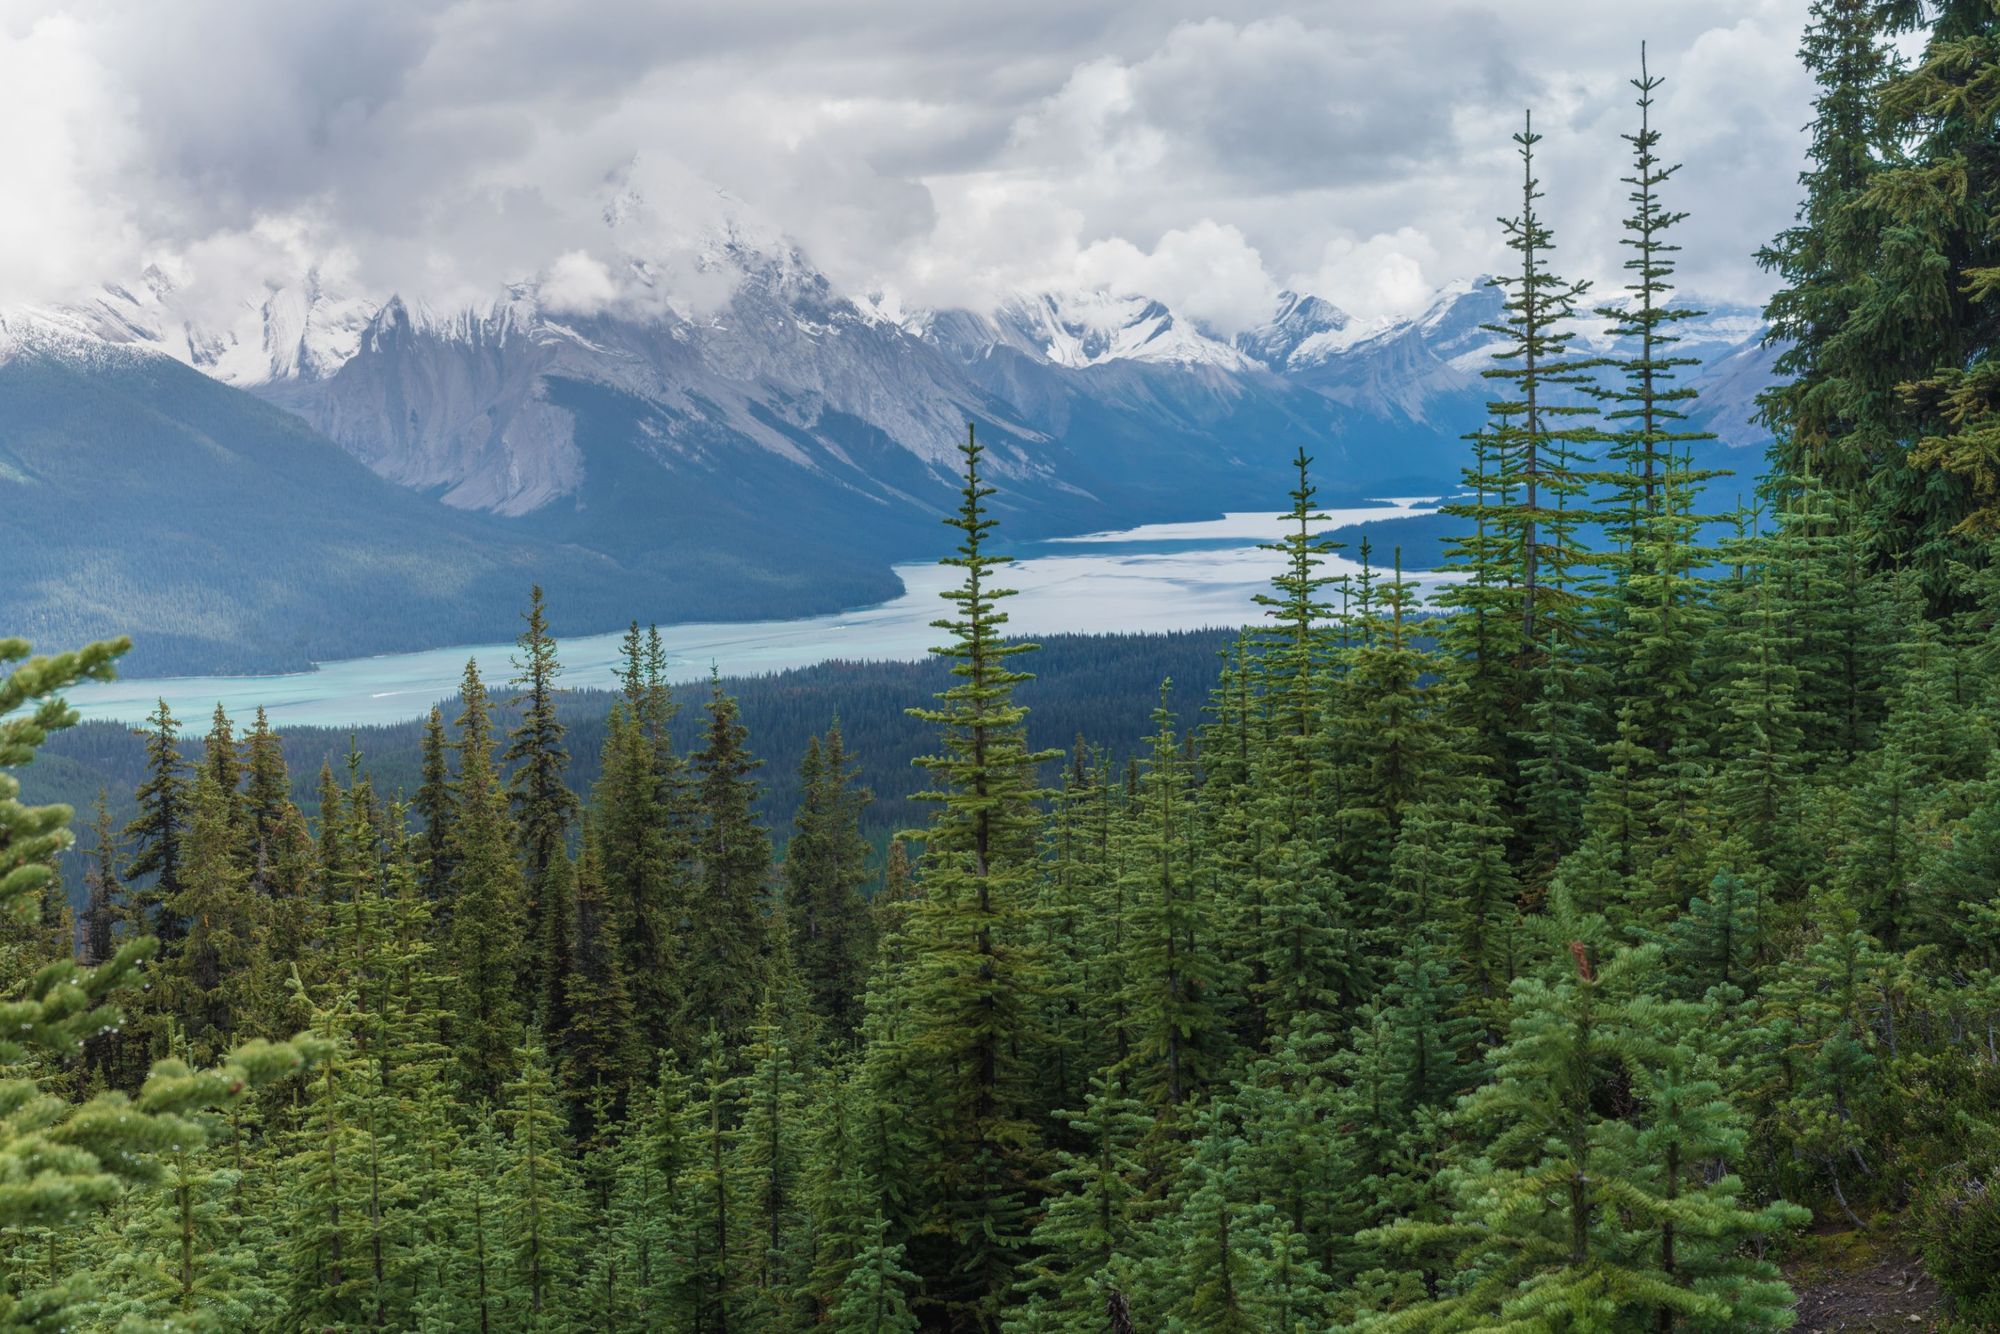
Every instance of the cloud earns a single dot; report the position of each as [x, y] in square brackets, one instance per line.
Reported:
[1385, 274]
[943, 154]
[578, 283]
[1208, 272]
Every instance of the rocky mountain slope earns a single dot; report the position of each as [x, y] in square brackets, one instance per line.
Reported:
[781, 442]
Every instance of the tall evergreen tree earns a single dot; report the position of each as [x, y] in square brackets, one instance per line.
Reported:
[972, 982]
[435, 801]
[489, 942]
[156, 833]
[722, 933]
[825, 868]
[542, 804]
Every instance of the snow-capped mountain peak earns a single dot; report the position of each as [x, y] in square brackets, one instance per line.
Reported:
[1084, 327]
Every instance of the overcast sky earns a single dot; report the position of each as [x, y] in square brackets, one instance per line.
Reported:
[936, 151]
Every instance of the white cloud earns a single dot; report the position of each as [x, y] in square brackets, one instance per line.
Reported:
[578, 283]
[1207, 272]
[1385, 274]
[945, 153]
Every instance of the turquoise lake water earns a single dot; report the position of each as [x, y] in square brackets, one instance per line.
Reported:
[1170, 576]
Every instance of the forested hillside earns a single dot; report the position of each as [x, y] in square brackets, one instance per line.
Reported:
[1564, 967]
[1081, 686]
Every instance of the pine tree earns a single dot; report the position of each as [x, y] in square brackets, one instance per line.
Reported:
[204, 982]
[1087, 1240]
[636, 854]
[874, 1297]
[539, 1214]
[542, 804]
[972, 982]
[155, 834]
[267, 801]
[1171, 974]
[825, 867]
[436, 801]
[488, 939]
[722, 933]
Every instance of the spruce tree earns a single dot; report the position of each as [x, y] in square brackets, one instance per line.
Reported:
[156, 833]
[722, 933]
[825, 868]
[204, 982]
[1087, 1240]
[540, 801]
[267, 801]
[435, 802]
[633, 833]
[600, 1058]
[540, 1213]
[1171, 973]
[972, 982]
[488, 943]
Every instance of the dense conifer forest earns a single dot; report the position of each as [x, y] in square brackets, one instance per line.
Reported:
[1557, 955]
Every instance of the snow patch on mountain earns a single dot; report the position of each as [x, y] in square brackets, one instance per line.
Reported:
[1081, 328]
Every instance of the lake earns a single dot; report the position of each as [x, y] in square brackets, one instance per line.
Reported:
[1157, 577]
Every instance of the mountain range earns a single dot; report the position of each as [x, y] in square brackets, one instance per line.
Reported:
[325, 472]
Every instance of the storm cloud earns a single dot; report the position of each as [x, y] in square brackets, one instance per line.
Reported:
[929, 153]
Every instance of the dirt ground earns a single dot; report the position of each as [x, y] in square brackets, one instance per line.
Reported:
[1890, 1292]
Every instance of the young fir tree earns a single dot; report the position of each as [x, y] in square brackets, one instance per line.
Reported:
[600, 1057]
[972, 984]
[1660, 603]
[488, 943]
[541, 803]
[1301, 954]
[178, 1256]
[722, 933]
[1397, 741]
[328, 1233]
[825, 868]
[633, 837]
[267, 802]
[712, 1288]
[1171, 973]
[874, 1297]
[156, 832]
[1534, 451]
[769, 1150]
[1211, 1245]
[1087, 1241]
[540, 1214]
[1559, 1170]
[435, 802]
[204, 984]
